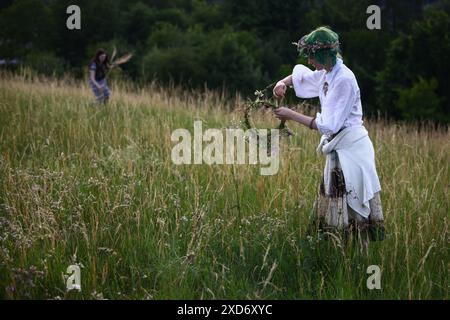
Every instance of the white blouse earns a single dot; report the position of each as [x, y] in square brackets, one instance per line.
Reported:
[338, 92]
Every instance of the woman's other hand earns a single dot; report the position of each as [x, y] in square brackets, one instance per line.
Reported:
[284, 113]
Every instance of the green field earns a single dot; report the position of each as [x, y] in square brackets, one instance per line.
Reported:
[95, 186]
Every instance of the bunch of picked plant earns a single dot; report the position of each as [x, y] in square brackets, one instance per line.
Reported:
[263, 101]
[118, 61]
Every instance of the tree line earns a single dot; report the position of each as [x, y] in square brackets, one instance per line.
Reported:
[243, 45]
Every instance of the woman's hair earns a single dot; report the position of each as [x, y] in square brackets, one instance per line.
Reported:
[321, 44]
[96, 58]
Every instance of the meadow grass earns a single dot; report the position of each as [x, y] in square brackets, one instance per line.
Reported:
[95, 186]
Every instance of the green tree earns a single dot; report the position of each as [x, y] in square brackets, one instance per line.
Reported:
[26, 25]
[137, 23]
[46, 63]
[420, 101]
[422, 53]
[230, 58]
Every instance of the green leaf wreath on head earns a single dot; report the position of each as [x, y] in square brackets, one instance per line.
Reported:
[321, 44]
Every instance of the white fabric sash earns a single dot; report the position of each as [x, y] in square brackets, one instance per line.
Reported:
[356, 157]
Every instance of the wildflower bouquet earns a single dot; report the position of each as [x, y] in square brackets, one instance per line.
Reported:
[263, 101]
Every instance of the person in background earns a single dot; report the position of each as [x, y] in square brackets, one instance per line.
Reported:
[98, 68]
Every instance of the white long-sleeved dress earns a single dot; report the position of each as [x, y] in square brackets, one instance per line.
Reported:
[341, 108]
[338, 92]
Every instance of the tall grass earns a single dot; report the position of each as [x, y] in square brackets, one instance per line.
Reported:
[95, 186]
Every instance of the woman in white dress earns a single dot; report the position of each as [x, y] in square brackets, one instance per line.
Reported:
[349, 194]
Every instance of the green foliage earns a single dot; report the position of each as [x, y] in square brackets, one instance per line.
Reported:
[174, 55]
[420, 101]
[422, 53]
[137, 23]
[241, 44]
[218, 58]
[23, 26]
[46, 63]
[177, 64]
[231, 55]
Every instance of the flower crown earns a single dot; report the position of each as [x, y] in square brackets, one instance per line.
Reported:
[307, 48]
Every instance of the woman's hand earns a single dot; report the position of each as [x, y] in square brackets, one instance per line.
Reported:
[279, 90]
[284, 113]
